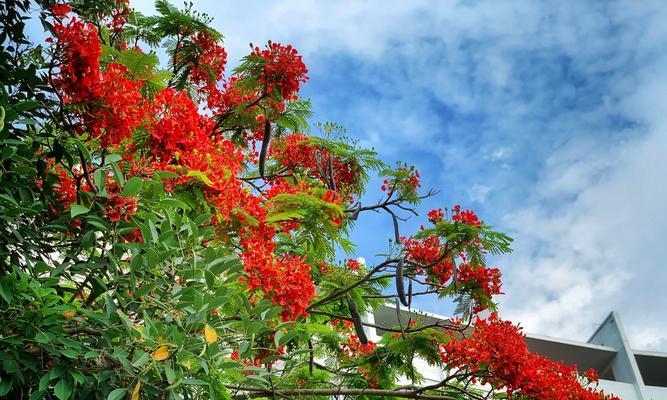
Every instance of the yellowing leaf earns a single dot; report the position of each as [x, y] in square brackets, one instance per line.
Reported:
[69, 314]
[135, 392]
[200, 176]
[161, 353]
[210, 334]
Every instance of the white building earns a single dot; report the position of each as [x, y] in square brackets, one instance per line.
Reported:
[627, 373]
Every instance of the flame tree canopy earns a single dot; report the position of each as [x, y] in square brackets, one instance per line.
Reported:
[172, 232]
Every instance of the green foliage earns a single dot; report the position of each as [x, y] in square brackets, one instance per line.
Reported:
[334, 139]
[319, 237]
[402, 182]
[463, 238]
[295, 117]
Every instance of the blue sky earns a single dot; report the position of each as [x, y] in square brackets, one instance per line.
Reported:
[547, 118]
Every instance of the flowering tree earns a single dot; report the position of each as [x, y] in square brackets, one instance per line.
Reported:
[173, 233]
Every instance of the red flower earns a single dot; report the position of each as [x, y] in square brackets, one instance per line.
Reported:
[499, 349]
[79, 53]
[480, 278]
[61, 10]
[429, 253]
[352, 264]
[133, 237]
[286, 281]
[296, 153]
[355, 349]
[436, 216]
[465, 217]
[211, 63]
[283, 69]
[119, 207]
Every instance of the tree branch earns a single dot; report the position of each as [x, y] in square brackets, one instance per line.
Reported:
[253, 392]
[337, 294]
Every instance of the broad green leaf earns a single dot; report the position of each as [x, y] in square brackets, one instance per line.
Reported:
[63, 390]
[132, 186]
[78, 209]
[117, 394]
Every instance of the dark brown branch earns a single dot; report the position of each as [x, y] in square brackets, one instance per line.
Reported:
[391, 296]
[390, 202]
[265, 145]
[438, 324]
[253, 392]
[341, 292]
[83, 329]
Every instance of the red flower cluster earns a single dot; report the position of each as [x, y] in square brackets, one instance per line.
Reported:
[479, 277]
[428, 253]
[175, 125]
[211, 63]
[352, 264]
[116, 207]
[355, 349]
[133, 237]
[283, 69]
[61, 10]
[120, 107]
[285, 281]
[114, 105]
[223, 101]
[119, 16]
[120, 207]
[436, 216]
[295, 153]
[65, 189]
[465, 217]
[411, 182]
[79, 52]
[498, 347]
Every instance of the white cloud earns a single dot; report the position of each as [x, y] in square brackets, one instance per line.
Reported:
[605, 248]
[479, 192]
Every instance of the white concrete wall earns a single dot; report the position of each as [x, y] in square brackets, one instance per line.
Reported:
[656, 393]
[625, 391]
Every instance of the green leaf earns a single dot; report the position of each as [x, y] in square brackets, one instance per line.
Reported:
[276, 338]
[44, 382]
[5, 387]
[6, 293]
[112, 158]
[26, 105]
[117, 394]
[169, 372]
[286, 216]
[286, 338]
[139, 64]
[137, 263]
[7, 152]
[43, 337]
[69, 353]
[78, 209]
[82, 147]
[200, 176]
[63, 390]
[133, 186]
